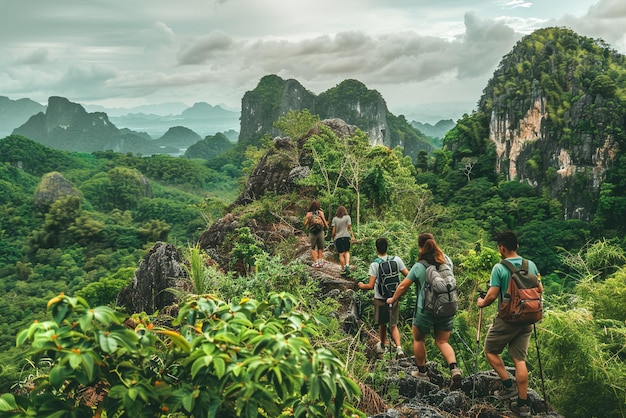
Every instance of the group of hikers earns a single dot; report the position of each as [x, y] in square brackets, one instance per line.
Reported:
[504, 281]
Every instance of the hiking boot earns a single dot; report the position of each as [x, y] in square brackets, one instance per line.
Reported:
[521, 410]
[455, 378]
[506, 393]
[379, 348]
[419, 375]
[399, 353]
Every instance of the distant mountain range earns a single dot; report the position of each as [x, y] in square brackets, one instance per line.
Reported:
[171, 128]
[153, 120]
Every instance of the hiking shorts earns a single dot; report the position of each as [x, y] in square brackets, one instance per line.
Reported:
[381, 312]
[342, 245]
[316, 240]
[502, 333]
[427, 322]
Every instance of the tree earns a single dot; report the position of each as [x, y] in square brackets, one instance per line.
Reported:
[296, 124]
[355, 150]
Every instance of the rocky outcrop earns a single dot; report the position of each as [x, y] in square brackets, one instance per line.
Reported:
[160, 270]
[285, 163]
[272, 98]
[52, 187]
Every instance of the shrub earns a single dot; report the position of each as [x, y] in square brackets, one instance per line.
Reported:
[247, 359]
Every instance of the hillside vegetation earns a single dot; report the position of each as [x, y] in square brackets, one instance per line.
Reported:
[82, 231]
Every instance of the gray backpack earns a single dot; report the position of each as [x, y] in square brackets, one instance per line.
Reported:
[439, 292]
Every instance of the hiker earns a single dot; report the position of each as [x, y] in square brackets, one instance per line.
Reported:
[382, 314]
[342, 234]
[316, 223]
[502, 333]
[424, 320]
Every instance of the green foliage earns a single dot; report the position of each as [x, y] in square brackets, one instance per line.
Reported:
[245, 358]
[296, 124]
[574, 344]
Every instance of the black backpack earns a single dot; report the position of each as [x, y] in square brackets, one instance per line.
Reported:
[388, 277]
[440, 294]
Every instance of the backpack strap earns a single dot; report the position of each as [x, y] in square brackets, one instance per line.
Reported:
[512, 269]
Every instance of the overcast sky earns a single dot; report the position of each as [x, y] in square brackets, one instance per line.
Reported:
[125, 53]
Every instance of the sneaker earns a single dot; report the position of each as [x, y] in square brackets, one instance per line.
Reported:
[506, 393]
[522, 411]
[343, 272]
[379, 348]
[346, 270]
[400, 353]
[419, 375]
[455, 378]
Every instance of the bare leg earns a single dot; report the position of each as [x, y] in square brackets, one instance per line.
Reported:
[382, 332]
[419, 348]
[521, 378]
[498, 365]
[342, 260]
[395, 335]
[320, 254]
[347, 257]
[441, 339]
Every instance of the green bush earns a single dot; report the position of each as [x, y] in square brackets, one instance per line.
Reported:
[247, 359]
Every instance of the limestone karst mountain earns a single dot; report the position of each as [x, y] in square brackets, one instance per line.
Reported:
[350, 101]
[553, 115]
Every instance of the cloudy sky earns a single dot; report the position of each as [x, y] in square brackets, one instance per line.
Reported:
[121, 53]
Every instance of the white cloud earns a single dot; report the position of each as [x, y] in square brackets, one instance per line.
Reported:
[411, 51]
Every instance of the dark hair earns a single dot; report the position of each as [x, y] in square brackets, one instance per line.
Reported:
[422, 238]
[508, 240]
[341, 212]
[381, 245]
[429, 250]
[315, 205]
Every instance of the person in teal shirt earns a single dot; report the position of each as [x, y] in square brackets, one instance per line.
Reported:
[502, 333]
[423, 320]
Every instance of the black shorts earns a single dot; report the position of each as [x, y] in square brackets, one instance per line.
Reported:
[342, 245]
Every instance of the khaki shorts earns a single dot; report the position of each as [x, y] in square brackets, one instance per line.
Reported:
[381, 312]
[502, 333]
[316, 240]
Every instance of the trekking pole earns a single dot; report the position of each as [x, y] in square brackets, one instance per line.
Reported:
[480, 322]
[543, 387]
[389, 337]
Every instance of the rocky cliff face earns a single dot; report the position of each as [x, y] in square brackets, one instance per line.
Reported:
[555, 119]
[350, 101]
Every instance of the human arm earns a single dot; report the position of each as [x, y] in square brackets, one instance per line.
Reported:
[323, 216]
[334, 230]
[492, 295]
[400, 290]
[369, 285]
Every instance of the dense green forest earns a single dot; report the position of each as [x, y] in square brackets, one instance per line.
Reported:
[74, 228]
